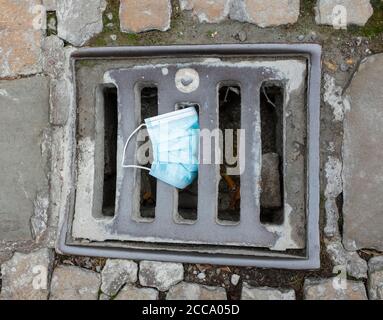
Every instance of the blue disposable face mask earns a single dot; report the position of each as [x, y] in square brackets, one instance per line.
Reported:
[175, 142]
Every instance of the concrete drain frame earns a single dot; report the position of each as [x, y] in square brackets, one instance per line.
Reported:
[85, 231]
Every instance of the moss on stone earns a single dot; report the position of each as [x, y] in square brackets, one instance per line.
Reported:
[184, 29]
[374, 26]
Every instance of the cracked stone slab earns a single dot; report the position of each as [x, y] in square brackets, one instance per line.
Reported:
[53, 59]
[193, 291]
[20, 38]
[266, 293]
[330, 289]
[210, 11]
[130, 292]
[160, 275]
[73, 283]
[144, 15]
[333, 97]
[362, 165]
[341, 13]
[265, 13]
[355, 266]
[116, 273]
[24, 112]
[26, 276]
[78, 21]
[375, 279]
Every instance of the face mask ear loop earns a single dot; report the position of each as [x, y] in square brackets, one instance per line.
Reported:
[126, 145]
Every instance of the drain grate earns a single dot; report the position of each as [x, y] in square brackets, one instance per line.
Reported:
[266, 216]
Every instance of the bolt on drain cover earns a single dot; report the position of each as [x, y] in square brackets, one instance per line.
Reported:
[256, 199]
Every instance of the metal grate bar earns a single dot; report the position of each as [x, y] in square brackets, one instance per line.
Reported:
[250, 207]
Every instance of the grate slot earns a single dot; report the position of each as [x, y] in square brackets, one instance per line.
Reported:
[188, 198]
[272, 153]
[148, 184]
[110, 150]
[229, 187]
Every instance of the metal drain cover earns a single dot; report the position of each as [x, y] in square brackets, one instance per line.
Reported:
[193, 75]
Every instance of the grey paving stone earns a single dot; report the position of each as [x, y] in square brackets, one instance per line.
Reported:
[326, 289]
[265, 13]
[74, 283]
[116, 273]
[354, 12]
[375, 278]
[24, 118]
[130, 292]
[160, 275]
[362, 158]
[193, 291]
[266, 293]
[78, 21]
[26, 276]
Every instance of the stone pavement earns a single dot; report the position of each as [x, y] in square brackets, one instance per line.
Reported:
[36, 38]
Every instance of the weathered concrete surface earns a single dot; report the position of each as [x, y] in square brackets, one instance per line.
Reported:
[78, 21]
[24, 112]
[324, 289]
[332, 95]
[116, 273]
[343, 12]
[265, 13]
[73, 283]
[144, 15]
[133, 293]
[26, 276]
[53, 58]
[50, 5]
[193, 291]
[210, 11]
[21, 25]
[265, 293]
[375, 278]
[333, 172]
[160, 275]
[362, 158]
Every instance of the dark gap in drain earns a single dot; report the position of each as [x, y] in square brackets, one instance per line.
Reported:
[229, 98]
[271, 109]
[51, 23]
[188, 197]
[110, 150]
[339, 204]
[149, 108]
